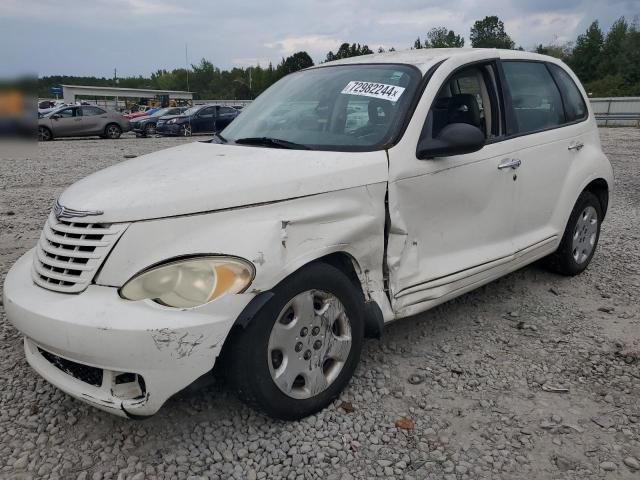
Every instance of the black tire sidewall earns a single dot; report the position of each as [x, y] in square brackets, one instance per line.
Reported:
[106, 131]
[47, 130]
[564, 261]
[252, 376]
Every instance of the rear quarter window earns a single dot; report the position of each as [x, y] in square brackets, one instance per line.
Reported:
[574, 104]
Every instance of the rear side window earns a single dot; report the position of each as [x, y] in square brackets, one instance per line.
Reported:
[574, 105]
[535, 98]
[91, 111]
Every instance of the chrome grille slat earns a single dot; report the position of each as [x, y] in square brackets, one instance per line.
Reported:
[70, 253]
[51, 236]
[53, 262]
[66, 253]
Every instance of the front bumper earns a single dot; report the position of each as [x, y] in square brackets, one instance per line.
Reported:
[168, 129]
[167, 348]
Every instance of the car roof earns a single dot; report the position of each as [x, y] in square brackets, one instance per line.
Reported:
[424, 58]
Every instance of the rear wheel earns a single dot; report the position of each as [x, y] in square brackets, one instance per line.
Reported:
[112, 131]
[150, 129]
[580, 238]
[44, 134]
[302, 348]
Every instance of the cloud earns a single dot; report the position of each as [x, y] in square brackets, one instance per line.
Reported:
[311, 43]
[547, 27]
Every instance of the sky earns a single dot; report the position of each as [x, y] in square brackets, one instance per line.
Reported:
[138, 37]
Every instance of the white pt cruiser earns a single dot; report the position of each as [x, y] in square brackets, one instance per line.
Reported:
[346, 196]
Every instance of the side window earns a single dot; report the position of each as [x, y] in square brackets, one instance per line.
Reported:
[226, 111]
[574, 105]
[207, 112]
[91, 111]
[67, 113]
[535, 98]
[469, 96]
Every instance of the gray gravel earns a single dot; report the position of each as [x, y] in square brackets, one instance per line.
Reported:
[533, 376]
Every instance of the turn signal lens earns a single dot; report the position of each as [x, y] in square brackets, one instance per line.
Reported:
[191, 282]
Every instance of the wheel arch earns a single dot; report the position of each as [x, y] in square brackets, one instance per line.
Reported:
[600, 188]
[347, 264]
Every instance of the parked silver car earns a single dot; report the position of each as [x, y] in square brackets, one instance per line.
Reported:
[81, 121]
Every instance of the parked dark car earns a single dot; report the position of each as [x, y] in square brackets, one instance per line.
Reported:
[198, 119]
[145, 126]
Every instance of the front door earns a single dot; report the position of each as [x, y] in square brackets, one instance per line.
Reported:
[205, 120]
[452, 218]
[67, 122]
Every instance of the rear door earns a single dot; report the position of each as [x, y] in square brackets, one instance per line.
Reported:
[94, 119]
[67, 122]
[225, 117]
[546, 122]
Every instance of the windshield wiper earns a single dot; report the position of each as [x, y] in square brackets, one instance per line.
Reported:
[272, 142]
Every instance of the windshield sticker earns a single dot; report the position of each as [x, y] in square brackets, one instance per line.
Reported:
[375, 90]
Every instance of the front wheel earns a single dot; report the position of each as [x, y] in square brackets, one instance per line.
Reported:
[186, 131]
[44, 134]
[580, 237]
[300, 351]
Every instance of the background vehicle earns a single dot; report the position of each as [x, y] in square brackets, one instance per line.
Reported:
[142, 111]
[198, 119]
[145, 126]
[81, 121]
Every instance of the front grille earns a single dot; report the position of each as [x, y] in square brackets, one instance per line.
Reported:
[84, 373]
[70, 253]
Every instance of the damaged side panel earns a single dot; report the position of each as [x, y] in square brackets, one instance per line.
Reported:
[278, 238]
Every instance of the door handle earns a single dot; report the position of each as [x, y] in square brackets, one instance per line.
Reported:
[510, 163]
[575, 146]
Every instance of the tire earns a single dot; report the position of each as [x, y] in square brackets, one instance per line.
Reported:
[580, 238]
[112, 131]
[44, 134]
[262, 363]
[149, 130]
[186, 131]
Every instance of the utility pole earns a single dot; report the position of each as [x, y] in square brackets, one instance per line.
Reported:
[115, 84]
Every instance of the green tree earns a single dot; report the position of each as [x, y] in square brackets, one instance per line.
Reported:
[441, 37]
[295, 62]
[587, 54]
[417, 44]
[489, 33]
[613, 48]
[348, 50]
[563, 52]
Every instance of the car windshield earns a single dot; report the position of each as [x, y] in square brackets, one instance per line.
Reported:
[344, 107]
[192, 110]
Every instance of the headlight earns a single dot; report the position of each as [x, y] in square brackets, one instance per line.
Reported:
[173, 120]
[190, 282]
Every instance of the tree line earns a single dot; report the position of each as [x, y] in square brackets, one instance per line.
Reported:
[608, 63]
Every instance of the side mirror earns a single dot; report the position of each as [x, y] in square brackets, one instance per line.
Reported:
[453, 139]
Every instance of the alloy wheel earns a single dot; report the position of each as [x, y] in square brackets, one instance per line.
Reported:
[44, 135]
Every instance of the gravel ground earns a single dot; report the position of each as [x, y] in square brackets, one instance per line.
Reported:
[471, 389]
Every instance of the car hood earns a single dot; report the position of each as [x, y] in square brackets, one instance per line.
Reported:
[169, 117]
[140, 119]
[202, 177]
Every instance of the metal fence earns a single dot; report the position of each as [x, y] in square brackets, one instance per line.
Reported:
[617, 111]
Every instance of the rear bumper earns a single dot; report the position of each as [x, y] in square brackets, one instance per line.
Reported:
[167, 348]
